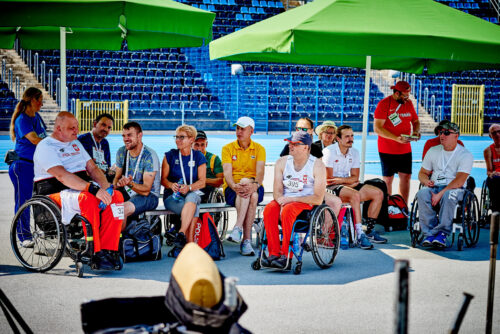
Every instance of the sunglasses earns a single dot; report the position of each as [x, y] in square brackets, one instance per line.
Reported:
[446, 132]
[301, 129]
[180, 137]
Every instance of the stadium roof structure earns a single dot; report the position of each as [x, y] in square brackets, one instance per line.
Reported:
[405, 35]
[102, 25]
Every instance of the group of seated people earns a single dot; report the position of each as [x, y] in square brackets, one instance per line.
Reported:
[189, 174]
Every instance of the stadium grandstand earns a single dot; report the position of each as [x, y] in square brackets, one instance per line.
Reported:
[165, 87]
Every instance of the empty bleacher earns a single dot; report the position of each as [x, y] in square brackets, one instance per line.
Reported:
[165, 85]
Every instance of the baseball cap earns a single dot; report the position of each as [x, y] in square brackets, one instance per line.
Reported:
[451, 126]
[401, 86]
[440, 126]
[300, 137]
[201, 135]
[245, 121]
[325, 124]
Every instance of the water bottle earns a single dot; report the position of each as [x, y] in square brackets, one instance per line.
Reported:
[102, 206]
[296, 244]
[177, 195]
[344, 238]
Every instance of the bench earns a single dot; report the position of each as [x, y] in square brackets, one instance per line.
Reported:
[204, 207]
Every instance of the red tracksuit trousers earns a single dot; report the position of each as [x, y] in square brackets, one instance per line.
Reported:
[105, 228]
[288, 214]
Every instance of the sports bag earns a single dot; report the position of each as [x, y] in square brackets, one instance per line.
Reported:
[206, 236]
[139, 243]
[398, 213]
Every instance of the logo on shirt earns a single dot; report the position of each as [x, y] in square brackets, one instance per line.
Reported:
[288, 176]
[252, 157]
[176, 161]
[304, 178]
[61, 150]
[406, 114]
[75, 147]
[234, 157]
[350, 160]
[336, 161]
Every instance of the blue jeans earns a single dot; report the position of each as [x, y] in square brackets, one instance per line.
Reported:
[144, 203]
[21, 174]
[176, 205]
[428, 217]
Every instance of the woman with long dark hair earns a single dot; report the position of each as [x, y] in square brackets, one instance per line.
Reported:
[27, 130]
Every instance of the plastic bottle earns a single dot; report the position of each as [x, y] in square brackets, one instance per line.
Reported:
[177, 195]
[344, 238]
[102, 206]
[296, 244]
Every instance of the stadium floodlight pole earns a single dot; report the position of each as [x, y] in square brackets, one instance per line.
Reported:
[365, 117]
[62, 88]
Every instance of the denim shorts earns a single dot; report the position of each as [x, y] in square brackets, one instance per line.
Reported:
[230, 195]
[176, 205]
[144, 203]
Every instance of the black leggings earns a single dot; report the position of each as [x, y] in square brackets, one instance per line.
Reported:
[494, 188]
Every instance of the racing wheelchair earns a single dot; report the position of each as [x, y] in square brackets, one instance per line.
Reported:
[317, 231]
[172, 223]
[465, 226]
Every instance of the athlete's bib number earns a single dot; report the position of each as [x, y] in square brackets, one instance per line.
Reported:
[118, 210]
[293, 185]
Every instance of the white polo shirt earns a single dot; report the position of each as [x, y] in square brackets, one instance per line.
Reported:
[341, 164]
[51, 152]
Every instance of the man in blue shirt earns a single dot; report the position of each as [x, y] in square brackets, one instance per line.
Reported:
[137, 173]
[97, 146]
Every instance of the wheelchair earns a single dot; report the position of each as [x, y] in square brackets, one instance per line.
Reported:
[172, 223]
[485, 206]
[319, 230]
[465, 226]
[51, 238]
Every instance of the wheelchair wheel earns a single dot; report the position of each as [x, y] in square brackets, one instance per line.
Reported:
[470, 219]
[325, 236]
[45, 230]
[220, 218]
[416, 235]
[484, 218]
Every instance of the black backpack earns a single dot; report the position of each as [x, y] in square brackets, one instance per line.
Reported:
[139, 243]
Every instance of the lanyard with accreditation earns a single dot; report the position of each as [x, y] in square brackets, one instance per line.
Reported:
[129, 191]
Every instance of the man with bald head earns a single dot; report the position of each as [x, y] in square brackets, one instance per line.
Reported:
[492, 158]
[62, 170]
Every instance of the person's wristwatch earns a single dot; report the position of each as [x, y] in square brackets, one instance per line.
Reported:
[189, 187]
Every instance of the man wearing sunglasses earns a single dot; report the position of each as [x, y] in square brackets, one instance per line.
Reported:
[305, 124]
[395, 120]
[444, 172]
[436, 141]
[492, 158]
[137, 173]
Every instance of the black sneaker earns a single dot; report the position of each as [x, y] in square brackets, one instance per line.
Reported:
[266, 261]
[282, 263]
[103, 261]
[180, 240]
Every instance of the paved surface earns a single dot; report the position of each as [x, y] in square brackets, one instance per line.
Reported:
[356, 295]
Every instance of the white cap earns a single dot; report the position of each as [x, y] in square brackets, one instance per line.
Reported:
[243, 122]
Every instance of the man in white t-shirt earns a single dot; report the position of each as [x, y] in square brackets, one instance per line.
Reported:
[444, 172]
[342, 172]
[61, 162]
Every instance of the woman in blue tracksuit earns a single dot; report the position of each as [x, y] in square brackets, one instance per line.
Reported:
[27, 129]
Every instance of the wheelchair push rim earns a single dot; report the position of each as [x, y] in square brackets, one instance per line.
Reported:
[47, 233]
[470, 217]
[324, 236]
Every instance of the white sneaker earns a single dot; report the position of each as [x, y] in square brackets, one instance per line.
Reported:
[235, 235]
[28, 244]
[246, 248]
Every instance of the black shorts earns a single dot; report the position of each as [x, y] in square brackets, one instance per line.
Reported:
[338, 187]
[395, 163]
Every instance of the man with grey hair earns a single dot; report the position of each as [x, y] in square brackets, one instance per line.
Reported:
[444, 172]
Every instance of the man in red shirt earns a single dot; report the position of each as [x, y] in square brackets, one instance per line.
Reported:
[395, 120]
[492, 159]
